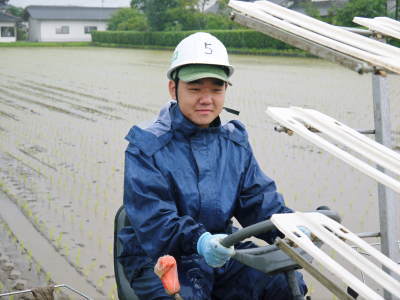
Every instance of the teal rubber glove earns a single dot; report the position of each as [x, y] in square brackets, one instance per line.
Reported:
[209, 246]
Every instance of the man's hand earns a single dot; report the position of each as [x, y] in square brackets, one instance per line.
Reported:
[210, 248]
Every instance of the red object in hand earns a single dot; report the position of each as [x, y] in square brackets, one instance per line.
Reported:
[167, 271]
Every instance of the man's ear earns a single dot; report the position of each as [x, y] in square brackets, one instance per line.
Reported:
[171, 89]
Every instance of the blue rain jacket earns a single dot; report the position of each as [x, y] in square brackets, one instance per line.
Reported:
[182, 180]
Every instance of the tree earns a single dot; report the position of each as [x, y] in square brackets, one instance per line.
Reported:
[311, 10]
[202, 4]
[128, 19]
[185, 19]
[223, 7]
[16, 11]
[156, 12]
[138, 4]
[213, 21]
[176, 15]
[160, 13]
[359, 8]
[182, 19]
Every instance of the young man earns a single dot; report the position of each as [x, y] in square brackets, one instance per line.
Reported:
[186, 176]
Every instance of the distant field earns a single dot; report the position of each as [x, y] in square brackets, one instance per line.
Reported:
[64, 113]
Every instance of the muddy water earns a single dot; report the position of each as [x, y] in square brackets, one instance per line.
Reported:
[64, 114]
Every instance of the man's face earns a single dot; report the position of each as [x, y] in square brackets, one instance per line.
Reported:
[200, 101]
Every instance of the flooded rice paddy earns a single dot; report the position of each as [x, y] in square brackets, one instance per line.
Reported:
[64, 114]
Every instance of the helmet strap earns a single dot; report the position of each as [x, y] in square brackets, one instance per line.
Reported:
[176, 80]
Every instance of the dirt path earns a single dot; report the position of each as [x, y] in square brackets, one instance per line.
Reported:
[40, 255]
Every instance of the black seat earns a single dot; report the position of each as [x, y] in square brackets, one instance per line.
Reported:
[125, 292]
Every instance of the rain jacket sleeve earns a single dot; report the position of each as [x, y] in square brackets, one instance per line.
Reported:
[152, 211]
[259, 199]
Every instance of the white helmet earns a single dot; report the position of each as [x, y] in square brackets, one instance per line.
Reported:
[199, 48]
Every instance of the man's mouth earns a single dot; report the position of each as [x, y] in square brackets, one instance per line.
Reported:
[203, 111]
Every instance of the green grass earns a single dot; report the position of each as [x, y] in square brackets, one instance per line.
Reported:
[248, 51]
[45, 44]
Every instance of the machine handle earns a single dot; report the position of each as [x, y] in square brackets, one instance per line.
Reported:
[266, 226]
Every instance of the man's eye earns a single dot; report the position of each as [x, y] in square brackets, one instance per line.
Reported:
[194, 89]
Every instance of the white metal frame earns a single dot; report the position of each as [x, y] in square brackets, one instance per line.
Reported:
[351, 51]
[336, 38]
[383, 25]
[334, 235]
[299, 120]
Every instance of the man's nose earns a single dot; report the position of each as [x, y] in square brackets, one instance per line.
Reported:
[206, 98]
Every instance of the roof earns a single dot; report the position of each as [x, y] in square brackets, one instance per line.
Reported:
[8, 18]
[70, 12]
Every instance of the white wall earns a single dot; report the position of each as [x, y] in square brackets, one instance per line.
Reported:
[98, 3]
[47, 32]
[8, 39]
[34, 30]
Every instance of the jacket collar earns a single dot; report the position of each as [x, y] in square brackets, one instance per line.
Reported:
[183, 125]
[150, 139]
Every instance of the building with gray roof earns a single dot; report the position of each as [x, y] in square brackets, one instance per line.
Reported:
[66, 23]
[8, 27]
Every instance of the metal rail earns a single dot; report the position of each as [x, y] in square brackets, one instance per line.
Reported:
[304, 44]
[325, 281]
[55, 286]
[382, 25]
[300, 120]
[338, 238]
